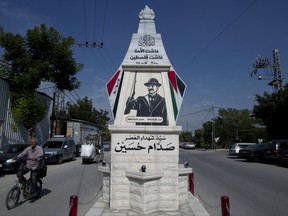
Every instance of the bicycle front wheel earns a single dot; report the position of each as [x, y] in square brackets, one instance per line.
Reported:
[12, 197]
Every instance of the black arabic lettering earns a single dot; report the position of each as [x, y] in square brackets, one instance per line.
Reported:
[138, 57]
[150, 148]
[121, 148]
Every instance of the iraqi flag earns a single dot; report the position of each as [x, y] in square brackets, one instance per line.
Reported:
[113, 89]
[177, 90]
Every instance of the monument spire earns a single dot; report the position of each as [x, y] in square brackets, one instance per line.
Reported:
[145, 96]
[146, 21]
[146, 53]
[146, 46]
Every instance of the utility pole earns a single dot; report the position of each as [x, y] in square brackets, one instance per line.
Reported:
[58, 106]
[277, 70]
[211, 109]
[271, 70]
[213, 134]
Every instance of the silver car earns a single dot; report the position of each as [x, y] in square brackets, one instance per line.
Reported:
[58, 149]
[189, 146]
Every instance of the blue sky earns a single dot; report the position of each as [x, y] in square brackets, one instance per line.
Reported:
[211, 44]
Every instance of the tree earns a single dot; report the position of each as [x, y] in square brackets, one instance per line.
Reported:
[185, 136]
[84, 110]
[234, 125]
[199, 138]
[231, 126]
[28, 109]
[39, 56]
[272, 109]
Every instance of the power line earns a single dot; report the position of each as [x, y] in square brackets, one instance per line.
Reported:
[71, 99]
[97, 58]
[109, 64]
[76, 94]
[94, 20]
[104, 21]
[220, 33]
[73, 96]
[87, 44]
[109, 57]
[84, 7]
[192, 113]
[205, 117]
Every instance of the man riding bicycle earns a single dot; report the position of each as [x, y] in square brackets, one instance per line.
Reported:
[34, 163]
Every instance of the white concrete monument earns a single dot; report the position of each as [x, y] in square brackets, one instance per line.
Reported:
[145, 96]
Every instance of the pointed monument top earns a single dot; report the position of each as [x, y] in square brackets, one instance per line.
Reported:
[146, 47]
[147, 14]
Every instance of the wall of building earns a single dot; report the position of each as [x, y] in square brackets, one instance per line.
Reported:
[10, 132]
[79, 130]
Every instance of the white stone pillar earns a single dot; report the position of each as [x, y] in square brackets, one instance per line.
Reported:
[145, 96]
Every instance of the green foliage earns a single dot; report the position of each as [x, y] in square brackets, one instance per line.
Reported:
[14, 127]
[185, 137]
[272, 109]
[39, 56]
[230, 126]
[234, 125]
[84, 110]
[42, 55]
[106, 134]
[199, 138]
[28, 110]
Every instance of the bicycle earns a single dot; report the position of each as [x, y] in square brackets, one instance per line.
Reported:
[14, 193]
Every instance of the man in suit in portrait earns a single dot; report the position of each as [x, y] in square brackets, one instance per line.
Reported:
[150, 105]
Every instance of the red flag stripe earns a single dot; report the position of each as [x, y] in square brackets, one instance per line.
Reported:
[111, 83]
[173, 79]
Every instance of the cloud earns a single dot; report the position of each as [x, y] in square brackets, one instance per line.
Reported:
[11, 10]
[15, 16]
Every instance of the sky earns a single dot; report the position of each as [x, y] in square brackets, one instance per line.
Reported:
[211, 45]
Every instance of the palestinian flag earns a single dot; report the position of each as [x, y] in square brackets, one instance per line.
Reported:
[177, 90]
[113, 89]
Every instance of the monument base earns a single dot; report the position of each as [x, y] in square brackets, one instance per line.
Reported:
[144, 191]
[146, 194]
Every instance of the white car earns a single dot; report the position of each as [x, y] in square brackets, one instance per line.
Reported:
[189, 146]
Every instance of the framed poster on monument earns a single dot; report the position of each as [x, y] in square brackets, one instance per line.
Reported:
[145, 104]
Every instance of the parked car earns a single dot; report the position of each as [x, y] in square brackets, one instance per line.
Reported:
[106, 145]
[284, 157]
[274, 149]
[235, 148]
[253, 152]
[58, 149]
[189, 146]
[182, 144]
[7, 163]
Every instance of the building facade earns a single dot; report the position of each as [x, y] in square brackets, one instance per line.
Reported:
[10, 132]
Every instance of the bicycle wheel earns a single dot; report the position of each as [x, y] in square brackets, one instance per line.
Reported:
[12, 197]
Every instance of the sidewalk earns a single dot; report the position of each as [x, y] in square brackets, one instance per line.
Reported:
[193, 208]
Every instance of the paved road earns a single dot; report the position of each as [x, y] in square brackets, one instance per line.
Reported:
[62, 181]
[256, 189]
